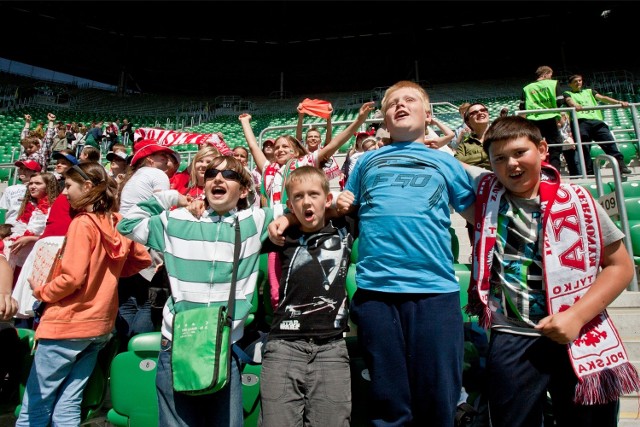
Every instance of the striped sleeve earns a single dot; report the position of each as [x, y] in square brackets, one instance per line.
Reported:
[145, 223]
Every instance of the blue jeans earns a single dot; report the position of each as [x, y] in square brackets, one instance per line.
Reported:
[134, 309]
[59, 374]
[303, 383]
[412, 345]
[223, 408]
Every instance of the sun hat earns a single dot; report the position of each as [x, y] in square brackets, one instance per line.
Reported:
[29, 164]
[146, 147]
[70, 158]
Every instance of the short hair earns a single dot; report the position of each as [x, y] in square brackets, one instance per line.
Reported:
[307, 173]
[93, 154]
[118, 146]
[234, 165]
[30, 140]
[509, 128]
[103, 197]
[542, 70]
[406, 84]
[573, 77]
[313, 129]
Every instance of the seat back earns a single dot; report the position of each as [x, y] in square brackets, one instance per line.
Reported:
[463, 275]
[133, 383]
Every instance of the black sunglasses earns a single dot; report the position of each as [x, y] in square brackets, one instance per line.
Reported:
[476, 112]
[227, 174]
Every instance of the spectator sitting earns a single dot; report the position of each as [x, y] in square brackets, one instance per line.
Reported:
[89, 154]
[13, 195]
[64, 160]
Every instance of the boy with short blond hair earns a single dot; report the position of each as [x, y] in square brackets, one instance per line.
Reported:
[547, 262]
[407, 306]
[311, 314]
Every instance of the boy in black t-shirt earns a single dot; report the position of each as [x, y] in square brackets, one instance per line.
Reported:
[305, 376]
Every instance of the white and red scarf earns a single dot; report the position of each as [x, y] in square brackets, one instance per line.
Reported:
[572, 250]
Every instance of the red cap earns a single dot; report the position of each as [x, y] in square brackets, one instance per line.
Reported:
[29, 164]
[146, 147]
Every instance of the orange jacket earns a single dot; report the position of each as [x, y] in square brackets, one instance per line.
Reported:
[82, 301]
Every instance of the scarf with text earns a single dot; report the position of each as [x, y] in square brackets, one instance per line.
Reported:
[572, 250]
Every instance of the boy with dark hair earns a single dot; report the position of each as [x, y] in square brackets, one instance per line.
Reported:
[547, 262]
[311, 316]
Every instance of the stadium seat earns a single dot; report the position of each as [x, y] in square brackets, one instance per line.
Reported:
[463, 275]
[629, 151]
[630, 189]
[632, 205]
[133, 383]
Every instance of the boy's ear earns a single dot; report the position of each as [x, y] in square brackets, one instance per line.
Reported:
[328, 202]
[543, 149]
[428, 117]
[244, 192]
[289, 205]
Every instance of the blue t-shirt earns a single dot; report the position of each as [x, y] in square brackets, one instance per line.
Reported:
[403, 192]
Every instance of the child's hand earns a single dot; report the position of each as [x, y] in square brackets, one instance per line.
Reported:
[27, 117]
[345, 201]
[184, 200]
[366, 108]
[244, 117]
[196, 207]
[21, 243]
[33, 284]
[276, 229]
[299, 108]
[51, 117]
[561, 327]
[8, 307]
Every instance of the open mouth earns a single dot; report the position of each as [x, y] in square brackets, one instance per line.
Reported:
[308, 215]
[218, 191]
[516, 175]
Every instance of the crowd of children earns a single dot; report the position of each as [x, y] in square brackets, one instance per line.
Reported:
[126, 224]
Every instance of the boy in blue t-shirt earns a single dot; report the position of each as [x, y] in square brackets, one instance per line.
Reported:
[407, 306]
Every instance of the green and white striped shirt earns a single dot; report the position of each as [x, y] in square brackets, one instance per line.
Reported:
[198, 252]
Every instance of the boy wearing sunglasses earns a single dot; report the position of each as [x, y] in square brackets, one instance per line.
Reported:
[197, 240]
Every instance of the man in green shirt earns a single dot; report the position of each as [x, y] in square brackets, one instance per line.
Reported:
[592, 125]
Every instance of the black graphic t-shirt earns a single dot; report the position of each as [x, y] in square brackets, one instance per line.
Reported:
[313, 299]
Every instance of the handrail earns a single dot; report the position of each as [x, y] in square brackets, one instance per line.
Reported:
[576, 127]
[622, 209]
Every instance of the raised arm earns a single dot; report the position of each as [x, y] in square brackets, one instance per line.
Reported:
[328, 150]
[447, 134]
[249, 136]
[329, 129]
[299, 124]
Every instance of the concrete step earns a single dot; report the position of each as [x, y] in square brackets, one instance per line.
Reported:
[627, 323]
[629, 410]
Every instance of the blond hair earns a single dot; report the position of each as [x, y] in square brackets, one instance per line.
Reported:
[424, 97]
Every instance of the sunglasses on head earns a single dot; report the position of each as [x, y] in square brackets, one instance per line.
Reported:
[227, 174]
[476, 112]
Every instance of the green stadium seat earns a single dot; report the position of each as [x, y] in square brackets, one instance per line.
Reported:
[133, 383]
[632, 205]
[463, 275]
[629, 151]
[629, 188]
